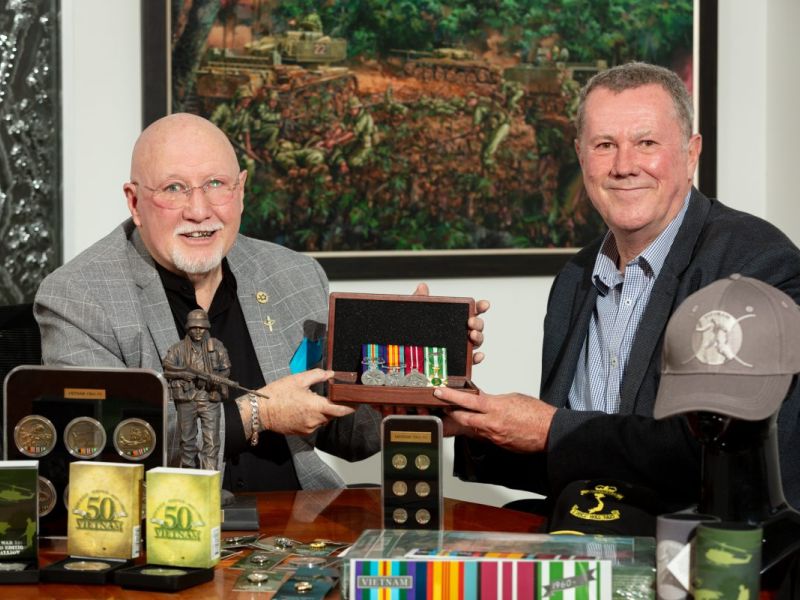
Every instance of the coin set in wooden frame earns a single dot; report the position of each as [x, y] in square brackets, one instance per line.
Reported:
[411, 465]
[59, 415]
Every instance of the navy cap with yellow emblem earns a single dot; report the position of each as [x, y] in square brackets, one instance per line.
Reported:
[607, 507]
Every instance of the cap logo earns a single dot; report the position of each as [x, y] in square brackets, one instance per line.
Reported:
[717, 338]
[595, 513]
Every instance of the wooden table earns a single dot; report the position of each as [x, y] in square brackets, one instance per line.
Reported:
[304, 516]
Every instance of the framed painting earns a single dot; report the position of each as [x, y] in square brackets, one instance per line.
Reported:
[424, 138]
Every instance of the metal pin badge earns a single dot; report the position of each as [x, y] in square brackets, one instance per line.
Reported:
[269, 322]
[262, 297]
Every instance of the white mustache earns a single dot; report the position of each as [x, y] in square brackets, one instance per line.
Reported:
[188, 229]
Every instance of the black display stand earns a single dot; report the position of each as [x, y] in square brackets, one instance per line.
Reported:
[30, 574]
[241, 515]
[59, 573]
[170, 579]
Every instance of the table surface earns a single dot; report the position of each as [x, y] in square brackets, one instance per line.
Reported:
[304, 516]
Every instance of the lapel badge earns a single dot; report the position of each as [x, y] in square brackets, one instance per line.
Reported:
[269, 323]
[262, 297]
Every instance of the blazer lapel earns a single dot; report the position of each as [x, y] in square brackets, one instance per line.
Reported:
[153, 301]
[662, 298]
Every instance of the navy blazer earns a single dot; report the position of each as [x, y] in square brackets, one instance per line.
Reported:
[714, 241]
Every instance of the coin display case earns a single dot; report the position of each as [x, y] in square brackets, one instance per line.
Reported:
[59, 415]
[161, 578]
[432, 321]
[93, 571]
[411, 468]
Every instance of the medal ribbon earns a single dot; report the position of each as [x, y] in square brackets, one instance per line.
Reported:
[414, 358]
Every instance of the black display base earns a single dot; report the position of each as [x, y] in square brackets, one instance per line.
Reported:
[30, 574]
[170, 579]
[59, 573]
[242, 515]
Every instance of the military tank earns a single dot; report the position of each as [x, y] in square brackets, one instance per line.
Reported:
[456, 65]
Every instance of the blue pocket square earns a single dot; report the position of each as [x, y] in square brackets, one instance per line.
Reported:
[306, 357]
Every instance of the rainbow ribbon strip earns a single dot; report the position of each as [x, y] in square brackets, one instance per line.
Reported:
[373, 354]
[479, 580]
[431, 361]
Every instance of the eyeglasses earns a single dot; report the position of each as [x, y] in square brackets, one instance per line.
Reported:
[176, 194]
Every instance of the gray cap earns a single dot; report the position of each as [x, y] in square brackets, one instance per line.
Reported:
[731, 348]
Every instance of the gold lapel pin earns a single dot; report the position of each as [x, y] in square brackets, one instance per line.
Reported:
[262, 297]
[269, 323]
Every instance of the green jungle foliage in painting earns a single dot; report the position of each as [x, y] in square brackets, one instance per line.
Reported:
[407, 124]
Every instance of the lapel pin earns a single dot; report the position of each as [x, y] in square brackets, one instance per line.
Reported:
[262, 297]
[269, 323]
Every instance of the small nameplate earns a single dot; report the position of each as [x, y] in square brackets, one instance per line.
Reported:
[418, 437]
[84, 394]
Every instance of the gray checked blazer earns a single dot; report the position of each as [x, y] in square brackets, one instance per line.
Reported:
[107, 308]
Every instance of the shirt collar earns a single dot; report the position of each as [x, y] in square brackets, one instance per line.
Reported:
[605, 274]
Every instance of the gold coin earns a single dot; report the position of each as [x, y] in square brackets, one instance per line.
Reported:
[318, 545]
[84, 437]
[87, 565]
[422, 488]
[399, 488]
[422, 461]
[303, 587]
[47, 496]
[35, 436]
[399, 461]
[160, 572]
[400, 515]
[134, 439]
[422, 516]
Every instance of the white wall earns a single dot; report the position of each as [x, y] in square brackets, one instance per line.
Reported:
[759, 123]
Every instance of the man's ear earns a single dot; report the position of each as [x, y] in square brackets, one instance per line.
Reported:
[132, 198]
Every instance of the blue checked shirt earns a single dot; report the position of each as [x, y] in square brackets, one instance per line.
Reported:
[621, 301]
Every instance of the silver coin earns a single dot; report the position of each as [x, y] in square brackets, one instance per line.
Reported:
[87, 565]
[399, 488]
[47, 496]
[260, 559]
[35, 436]
[84, 437]
[423, 461]
[423, 489]
[134, 439]
[416, 379]
[400, 515]
[399, 461]
[258, 577]
[422, 516]
[161, 572]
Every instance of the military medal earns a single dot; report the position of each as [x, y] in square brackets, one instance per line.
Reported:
[436, 366]
[47, 496]
[414, 358]
[399, 488]
[134, 439]
[35, 436]
[395, 365]
[422, 461]
[422, 488]
[87, 565]
[422, 516]
[84, 437]
[372, 361]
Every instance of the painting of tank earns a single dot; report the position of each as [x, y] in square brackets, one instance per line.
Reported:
[399, 125]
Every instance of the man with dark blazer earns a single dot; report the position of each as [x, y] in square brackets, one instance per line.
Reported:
[609, 307]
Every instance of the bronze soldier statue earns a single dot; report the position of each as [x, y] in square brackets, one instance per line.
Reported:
[194, 367]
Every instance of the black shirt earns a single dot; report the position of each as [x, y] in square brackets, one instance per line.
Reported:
[268, 465]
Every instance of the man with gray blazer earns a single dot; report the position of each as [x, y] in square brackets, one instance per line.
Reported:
[123, 302]
[609, 307]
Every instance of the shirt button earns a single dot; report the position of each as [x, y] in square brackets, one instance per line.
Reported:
[627, 301]
[614, 361]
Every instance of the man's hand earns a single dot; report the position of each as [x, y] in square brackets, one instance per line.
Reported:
[293, 408]
[474, 324]
[512, 421]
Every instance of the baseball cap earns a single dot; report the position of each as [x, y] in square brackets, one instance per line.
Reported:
[731, 348]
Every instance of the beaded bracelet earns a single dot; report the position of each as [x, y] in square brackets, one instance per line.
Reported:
[253, 418]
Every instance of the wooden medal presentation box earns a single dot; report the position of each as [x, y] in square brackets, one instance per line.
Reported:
[423, 321]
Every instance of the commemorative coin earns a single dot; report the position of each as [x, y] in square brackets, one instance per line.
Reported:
[87, 565]
[162, 572]
[423, 489]
[35, 436]
[84, 437]
[47, 496]
[423, 461]
[400, 488]
[399, 461]
[134, 439]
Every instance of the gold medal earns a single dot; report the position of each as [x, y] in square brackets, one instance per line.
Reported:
[399, 488]
[318, 545]
[422, 488]
[134, 439]
[400, 515]
[84, 437]
[303, 587]
[47, 496]
[87, 565]
[422, 461]
[422, 516]
[399, 461]
[35, 436]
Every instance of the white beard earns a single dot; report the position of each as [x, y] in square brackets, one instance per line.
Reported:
[197, 265]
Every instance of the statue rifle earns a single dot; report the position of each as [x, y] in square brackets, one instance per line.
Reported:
[213, 379]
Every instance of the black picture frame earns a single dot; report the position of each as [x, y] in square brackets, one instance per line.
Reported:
[156, 100]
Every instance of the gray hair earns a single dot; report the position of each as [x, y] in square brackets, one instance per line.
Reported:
[634, 75]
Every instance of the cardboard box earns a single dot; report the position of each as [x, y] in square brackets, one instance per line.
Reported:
[484, 565]
[433, 321]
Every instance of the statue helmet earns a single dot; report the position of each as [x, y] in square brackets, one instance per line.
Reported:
[197, 318]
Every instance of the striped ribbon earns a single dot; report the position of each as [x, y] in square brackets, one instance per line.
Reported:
[415, 356]
[479, 580]
[436, 365]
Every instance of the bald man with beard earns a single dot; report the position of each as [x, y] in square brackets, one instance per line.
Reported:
[124, 301]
